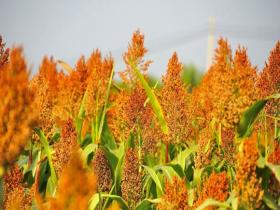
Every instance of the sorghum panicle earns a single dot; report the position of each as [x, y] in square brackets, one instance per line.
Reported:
[64, 148]
[131, 185]
[102, 171]
[45, 87]
[269, 80]
[248, 185]
[16, 196]
[215, 187]
[134, 56]
[175, 195]
[174, 99]
[4, 53]
[80, 185]
[17, 114]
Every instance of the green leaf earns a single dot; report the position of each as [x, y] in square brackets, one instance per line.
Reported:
[48, 152]
[90, 148]
[169, 172]
[120, 200]
[118, 174]
[80, 118]
[261, 162]
[51, 187]
[55, 136]
[197, 176]
[248, 117]
[44, 174]
[154, 176]
[233, 200]
[146, 203]
[179, 170]
[1, 191]
[94, 201]
[275, 169]
[105, 106]
[274, 96]
[107, 139]
[212, 202]
[269, 201]
[183, 155]
[112, 158]
[152, 99]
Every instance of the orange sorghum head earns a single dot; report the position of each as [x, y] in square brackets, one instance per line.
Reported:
[102, 170]
[17, 114]
[175, 195]
[204, 154]
[4, 53]
[134, 56]
[174, 101]
[131, 185]
[269, 80]
[150, 136]
[16, 196]
[215, 187]
[129, 112]
[116, 115]
[215, 85]
[274, 157]
[71, 89]
[98, 80]
[45, 86]
[248, 185]
[228, 88]
[75, 187]
[64, 148]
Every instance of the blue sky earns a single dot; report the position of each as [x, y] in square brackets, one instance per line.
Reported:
[68, 29]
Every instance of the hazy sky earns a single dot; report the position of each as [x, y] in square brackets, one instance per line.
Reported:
[67, 29]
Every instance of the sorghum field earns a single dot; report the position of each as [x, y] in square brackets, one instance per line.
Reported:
[77, 138]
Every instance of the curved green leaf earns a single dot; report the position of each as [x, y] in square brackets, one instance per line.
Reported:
[120, 200]
[94, 201]
[152, 99]
[178, 169]
[269, 201]
[248, 117]
[212, 202]
[146, 203]
[88, 149]
[154, 176]
[47, 149]
[275, 169]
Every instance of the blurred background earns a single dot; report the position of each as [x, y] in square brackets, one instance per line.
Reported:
[68, 29]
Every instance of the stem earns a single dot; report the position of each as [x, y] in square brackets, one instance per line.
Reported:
[1, 192]
[166, 153]
[275, 128]
[265, 138]
[100, 200]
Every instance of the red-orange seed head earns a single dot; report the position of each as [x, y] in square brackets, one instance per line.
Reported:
[4, 53]
[17, 114]
[174, 101]
[134, 57]
[248, 185]
[215, 187]
[175, 195]
[269, 80]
